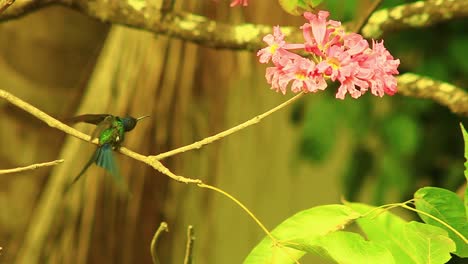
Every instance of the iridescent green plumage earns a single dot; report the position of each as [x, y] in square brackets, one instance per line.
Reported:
[110, 132]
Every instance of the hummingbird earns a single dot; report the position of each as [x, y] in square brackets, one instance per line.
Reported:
[110, 132]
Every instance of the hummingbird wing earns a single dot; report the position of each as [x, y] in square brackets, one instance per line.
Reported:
[94, 119]
[106, 123]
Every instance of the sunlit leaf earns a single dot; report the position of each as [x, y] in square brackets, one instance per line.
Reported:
[428, 244]
[298, 230]
[448, 207]
[297, 7]
[347, 247]
[412, 242]
[385, 228]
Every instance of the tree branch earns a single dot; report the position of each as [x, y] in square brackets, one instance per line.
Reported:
[201, 30]
[451, 96]
[414, 15]
[31, 167]
[147, 16]
[4, 4]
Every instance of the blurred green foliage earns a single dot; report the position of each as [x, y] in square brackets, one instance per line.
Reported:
[398, 143]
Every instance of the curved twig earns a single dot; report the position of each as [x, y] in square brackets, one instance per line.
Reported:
[162, 227]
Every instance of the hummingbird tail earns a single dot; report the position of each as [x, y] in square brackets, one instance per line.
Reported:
[105, 159]
[90, 161]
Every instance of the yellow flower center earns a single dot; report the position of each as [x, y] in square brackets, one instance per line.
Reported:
[300, 76]
[334, 63]
[273, 48]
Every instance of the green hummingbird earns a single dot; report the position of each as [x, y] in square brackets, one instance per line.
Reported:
[110, 132]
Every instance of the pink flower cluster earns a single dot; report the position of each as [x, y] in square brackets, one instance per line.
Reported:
[334, 55]
[239, 2]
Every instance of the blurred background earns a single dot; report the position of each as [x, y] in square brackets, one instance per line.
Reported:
[373, 150]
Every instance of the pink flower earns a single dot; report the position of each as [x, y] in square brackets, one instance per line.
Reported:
[239, 2]
[275, 42]
[276, 76]
[384, 68]
[334, 55]
[320, 34]
[304, 77]
[277, 47]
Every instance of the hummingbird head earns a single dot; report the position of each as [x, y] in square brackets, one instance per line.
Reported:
[129, 122]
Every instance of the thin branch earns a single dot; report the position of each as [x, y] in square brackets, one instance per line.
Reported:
[363, 20]
[451, 96]
[52, 122]
[4, 4]
[32, 167]
[162, 227]
[225, 133]
[189, 245]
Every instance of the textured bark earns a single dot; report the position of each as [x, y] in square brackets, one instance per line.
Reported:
[147, 15]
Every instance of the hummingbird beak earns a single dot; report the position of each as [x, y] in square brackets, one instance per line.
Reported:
[141, 117]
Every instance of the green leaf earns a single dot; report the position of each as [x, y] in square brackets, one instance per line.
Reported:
[347, 247]
[448, 207]
[408, 242]
[428, 244]
[386, 229]
[465, 138]
[297, 7]
[299, 230]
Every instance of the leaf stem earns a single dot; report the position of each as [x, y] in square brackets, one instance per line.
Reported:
[436, 219]
[203, 185]
[225, 133]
